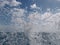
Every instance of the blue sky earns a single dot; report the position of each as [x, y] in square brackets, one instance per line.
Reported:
[17, 13]
[44, 4]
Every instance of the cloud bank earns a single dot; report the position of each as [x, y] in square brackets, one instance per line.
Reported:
[48, 21]
[38, 22]
[9, 2]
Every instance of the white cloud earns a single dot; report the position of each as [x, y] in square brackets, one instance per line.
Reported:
[34, 17]
[11, 3]
[16, 15]
[46, 15]
[14, 3]
[38, 22]
[17, 20]
[7, 28]
[2, 3]
[34, 6]
[47, 22]
[18, 12]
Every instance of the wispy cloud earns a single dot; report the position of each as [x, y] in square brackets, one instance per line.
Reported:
[17, 20]
[48, 21]
[10, 3]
